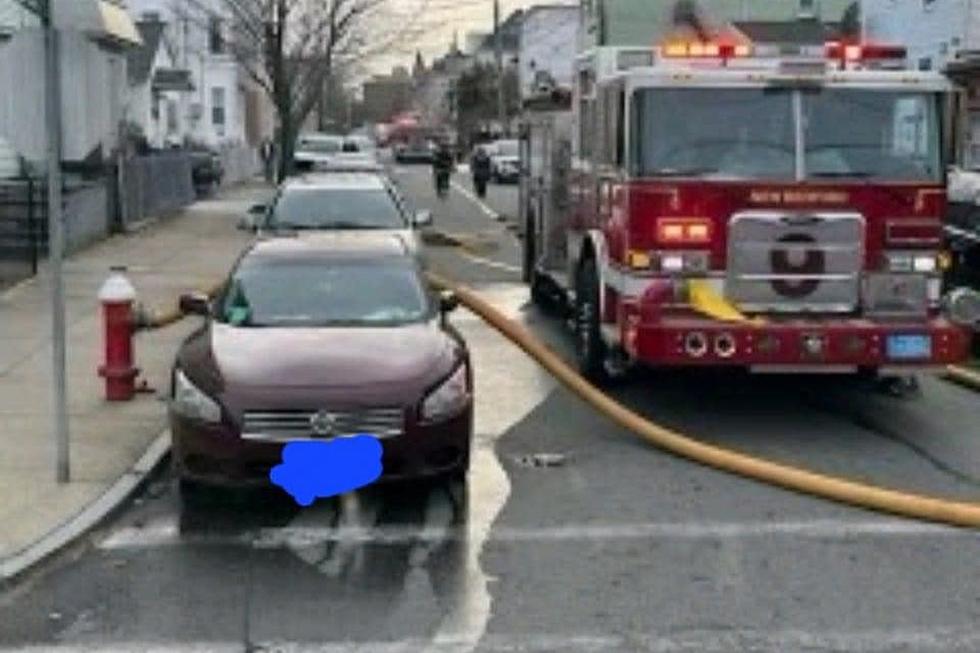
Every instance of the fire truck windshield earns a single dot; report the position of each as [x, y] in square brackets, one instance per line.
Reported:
[751, 134]
[872, 134]
[744, 133]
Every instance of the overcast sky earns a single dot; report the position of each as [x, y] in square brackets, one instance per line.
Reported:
[445, 17]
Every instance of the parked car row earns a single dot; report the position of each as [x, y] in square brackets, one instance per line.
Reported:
[325, 328]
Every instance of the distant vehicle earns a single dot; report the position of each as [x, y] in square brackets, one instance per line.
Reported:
[505, 161]
[359, 143]
[314, 339]
[415, 151]
[344, 201]
[206, 168]
[316, 150]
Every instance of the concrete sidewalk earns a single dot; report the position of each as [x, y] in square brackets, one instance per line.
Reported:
[183, 253]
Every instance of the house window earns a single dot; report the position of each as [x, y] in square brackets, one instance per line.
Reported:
[925, 63]
[216, 39]
[218, 108]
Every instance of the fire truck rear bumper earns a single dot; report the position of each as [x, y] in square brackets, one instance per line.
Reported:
[800, 345]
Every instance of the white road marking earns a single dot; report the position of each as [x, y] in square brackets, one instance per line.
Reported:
[483, 206]
[489, 262]
[964, 639]
[167, 535]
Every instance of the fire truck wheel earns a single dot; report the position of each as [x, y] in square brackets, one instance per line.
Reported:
[589, 347]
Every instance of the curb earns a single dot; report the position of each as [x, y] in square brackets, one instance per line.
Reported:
[91, 515]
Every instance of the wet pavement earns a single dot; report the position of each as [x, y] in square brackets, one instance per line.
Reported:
[571, 534]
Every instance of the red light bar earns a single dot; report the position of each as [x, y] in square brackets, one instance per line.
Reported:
[863, 52]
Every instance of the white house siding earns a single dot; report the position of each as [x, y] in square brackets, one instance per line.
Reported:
[548, 43]
[93, 91]
[935, 33]
[932, 31]
[22, 112]
[208, 71]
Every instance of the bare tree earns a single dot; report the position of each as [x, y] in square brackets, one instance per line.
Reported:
[291, 47]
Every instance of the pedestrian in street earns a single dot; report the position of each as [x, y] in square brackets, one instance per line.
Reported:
[480, 167]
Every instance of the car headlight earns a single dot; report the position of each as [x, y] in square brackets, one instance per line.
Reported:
[191, 402]
[448, 399]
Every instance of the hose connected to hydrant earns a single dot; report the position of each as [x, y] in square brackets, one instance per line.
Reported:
[915, 506]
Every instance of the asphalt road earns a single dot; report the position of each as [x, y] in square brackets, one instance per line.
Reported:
[571, 536]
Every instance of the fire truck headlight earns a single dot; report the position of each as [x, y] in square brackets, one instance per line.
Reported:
[899, 262]
[672, 263]
[924, 263]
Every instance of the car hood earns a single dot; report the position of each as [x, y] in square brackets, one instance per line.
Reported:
[346, 359]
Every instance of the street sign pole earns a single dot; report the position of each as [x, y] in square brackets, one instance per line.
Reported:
[56, 245]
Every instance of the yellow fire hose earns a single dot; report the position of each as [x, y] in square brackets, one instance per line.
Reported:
[914, 506]
[933, 509]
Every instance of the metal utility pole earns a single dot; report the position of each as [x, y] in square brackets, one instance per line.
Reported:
[499, 57]
[56, 243]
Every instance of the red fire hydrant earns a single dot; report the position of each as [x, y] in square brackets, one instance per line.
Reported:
[117, 296]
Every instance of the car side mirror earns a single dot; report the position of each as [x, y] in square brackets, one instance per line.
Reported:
[422, 219]
[195, 303]
[448, 302]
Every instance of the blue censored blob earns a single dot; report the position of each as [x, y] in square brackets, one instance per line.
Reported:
[318, 470]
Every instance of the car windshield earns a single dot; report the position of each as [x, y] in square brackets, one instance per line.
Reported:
[507, 148]
[311, 293]
[337, 208]
[320, 145]
[751, 134]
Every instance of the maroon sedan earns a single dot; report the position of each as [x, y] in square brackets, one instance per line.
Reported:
[314, 337]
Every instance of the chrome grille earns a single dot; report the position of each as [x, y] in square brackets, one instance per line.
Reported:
[324, 424]
[795, 262]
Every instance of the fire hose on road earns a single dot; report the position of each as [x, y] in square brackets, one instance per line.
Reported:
[914, 506]
[955, 513]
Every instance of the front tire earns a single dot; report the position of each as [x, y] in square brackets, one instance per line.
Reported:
[589, 346]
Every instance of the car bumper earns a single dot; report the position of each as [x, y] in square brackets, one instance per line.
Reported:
[217, 455]
[795, 345]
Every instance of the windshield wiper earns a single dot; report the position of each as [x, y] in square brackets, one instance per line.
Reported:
[328, 226]
[839, 174]
[681, 172]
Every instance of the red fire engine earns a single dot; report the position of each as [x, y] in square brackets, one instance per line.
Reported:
[718, 203]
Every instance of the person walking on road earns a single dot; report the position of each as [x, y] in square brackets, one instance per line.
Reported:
[481, 170]
[442, 167]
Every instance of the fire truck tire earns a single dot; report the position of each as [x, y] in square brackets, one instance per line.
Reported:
[589, 346]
